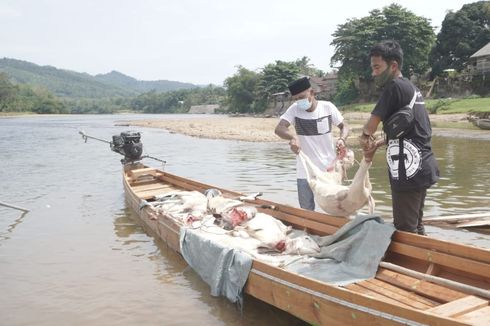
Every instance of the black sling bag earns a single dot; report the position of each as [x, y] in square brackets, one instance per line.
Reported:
[400, 122]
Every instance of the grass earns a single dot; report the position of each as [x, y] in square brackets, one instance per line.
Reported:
[439, 106]
[364, 107]
[463, 105]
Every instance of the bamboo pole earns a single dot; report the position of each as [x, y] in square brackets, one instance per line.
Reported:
[14, 207]
[438, 280]
[456, 217]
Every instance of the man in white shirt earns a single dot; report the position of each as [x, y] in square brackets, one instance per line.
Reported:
[313, 121]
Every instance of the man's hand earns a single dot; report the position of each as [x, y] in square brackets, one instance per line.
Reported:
[366, 142]
[294, 145]
[369, 145]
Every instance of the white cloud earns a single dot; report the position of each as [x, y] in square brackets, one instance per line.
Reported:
[8, 10]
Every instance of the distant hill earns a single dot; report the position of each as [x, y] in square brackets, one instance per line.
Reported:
[71, 84]
[118, 79]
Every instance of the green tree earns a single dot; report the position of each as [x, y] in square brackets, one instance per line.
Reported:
[7, 92]
[274, 78]
[178, 101]
[307, 69]
[462, 33]
[44, 102]
[353, 39]
[48, 104]
[204, 95]
[24, 98]
[240, 90]
[346, 90]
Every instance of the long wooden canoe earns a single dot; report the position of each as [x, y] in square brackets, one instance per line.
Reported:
[421, 281]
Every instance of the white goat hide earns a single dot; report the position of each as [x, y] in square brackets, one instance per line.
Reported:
[186, 206]
[270, 231]
[333, 197]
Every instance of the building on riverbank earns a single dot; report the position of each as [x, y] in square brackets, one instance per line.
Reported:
[481, 60]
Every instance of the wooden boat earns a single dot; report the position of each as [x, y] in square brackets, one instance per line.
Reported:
[482, 123]
[480, 120]
[421, 281]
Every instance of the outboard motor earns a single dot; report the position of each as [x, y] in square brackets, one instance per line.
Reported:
[128, 144]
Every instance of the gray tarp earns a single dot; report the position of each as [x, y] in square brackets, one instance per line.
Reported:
[351, 254]
[225, 269]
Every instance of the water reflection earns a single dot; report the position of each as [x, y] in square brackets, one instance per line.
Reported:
[465, 177]
[7, 215]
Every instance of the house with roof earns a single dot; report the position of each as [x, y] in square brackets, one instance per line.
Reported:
[325, 87]
[481, 60]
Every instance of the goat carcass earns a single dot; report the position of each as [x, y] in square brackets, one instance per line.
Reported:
[270, 231]
[333, 197]
[228, 212]
[186, 206]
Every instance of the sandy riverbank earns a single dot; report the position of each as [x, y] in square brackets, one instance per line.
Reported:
[260, 129]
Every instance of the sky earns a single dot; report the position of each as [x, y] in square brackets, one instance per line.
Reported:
[199, 42]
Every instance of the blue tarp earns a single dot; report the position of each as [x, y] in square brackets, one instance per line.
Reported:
[225, 269]
[351, 254]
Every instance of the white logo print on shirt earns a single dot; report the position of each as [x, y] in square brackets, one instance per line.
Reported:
[410, 154]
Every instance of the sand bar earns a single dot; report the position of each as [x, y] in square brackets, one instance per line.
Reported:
[261, 129]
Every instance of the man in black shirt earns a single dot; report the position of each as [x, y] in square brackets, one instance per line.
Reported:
[411, 163]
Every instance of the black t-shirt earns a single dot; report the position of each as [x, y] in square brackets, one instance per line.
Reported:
[418, 169]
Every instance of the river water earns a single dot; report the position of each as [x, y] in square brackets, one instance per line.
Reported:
[80, 257]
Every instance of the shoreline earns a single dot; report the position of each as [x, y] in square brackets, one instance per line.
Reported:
[261, 129]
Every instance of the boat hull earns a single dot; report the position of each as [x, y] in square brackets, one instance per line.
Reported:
[483, 124]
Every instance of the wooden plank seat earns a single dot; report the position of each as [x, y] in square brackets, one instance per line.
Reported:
[156, 190]
[479, 317]
[143, 171]
[388, 292]
[460, 307]
[426, 289]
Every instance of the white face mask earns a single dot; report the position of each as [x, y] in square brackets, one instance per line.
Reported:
[303, 104]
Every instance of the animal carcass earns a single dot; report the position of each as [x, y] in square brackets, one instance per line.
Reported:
[333, 197]
[186, 206]
[302, 245]
[271, 232]
[228, 212]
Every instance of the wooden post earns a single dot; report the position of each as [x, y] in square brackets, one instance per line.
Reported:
[456, 217]
[14, 207]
